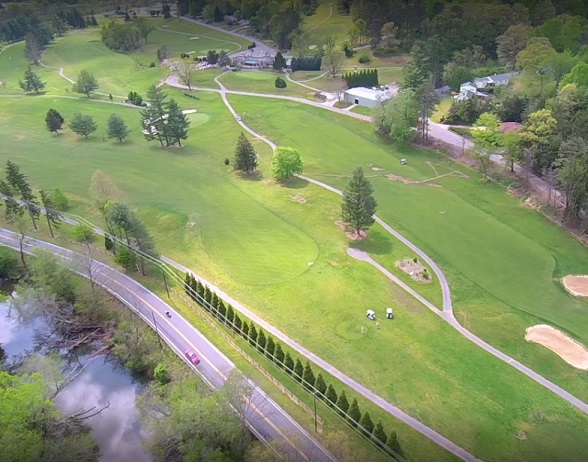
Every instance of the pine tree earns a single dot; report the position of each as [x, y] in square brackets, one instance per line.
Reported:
[270, 346]
[245, 330]
[359, 206]
[237, 322]
[289, 363]
[214, 303]
[154, 115]
[82, 124]
[86, 83]
[31, 81]
[320, 384]
[393, 443]
[245, 155]
[19, 182]
[343, 403]
[188, 283]
[354, 413]
[261, 341]
[117, 128]
[366, 423]
[279, 355]
[279, 62]
[207, 297]
[177, 123]
[53, 217]
[54, 121]
[222, 310]
[379, 434]
[308, 376]
[13, 208]
[231, 316]
[252, 334]
[298, 370]
[331, 396]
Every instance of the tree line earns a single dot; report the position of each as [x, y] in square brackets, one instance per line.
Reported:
[304, 374]
[126, 35]
[362, 78]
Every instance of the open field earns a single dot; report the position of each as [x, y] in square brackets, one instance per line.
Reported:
[286, 259]
[319, 26]
[442, 109]
[263, 82]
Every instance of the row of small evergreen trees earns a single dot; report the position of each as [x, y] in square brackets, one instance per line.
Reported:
[266, 345]
[364, 78]
[308, 63]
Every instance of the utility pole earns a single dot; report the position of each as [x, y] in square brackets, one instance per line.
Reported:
[156, 330]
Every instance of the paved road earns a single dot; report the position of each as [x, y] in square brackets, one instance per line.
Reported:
[266, 419]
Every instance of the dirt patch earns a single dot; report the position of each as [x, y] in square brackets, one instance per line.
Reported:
[351, 235]
[415, 270]
[572, 352]
[404, 180]
[298, 198]
[576, 285]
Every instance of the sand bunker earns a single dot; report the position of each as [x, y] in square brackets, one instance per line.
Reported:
[415, 270]
[576, 285]
[572, 352]
[189, 111]
[298, 198]
[193, 38]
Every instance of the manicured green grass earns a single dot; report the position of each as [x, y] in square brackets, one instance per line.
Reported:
[286, 259]
[263, 82]
[369, 111]
[502, 264]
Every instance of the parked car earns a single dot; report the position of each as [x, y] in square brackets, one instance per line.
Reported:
[193, 357]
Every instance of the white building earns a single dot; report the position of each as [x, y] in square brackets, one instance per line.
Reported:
[366, 97]
[469, 89]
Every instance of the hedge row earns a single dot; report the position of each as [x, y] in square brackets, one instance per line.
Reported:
[364, 78]
[267, 346]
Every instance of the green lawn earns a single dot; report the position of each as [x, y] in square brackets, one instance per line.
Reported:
[369, 111]
[277, 248]
[442, 109]
[263, 82]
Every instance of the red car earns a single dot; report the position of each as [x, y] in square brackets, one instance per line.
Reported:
[193, 357]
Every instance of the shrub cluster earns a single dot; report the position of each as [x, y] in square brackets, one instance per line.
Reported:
[267, 346]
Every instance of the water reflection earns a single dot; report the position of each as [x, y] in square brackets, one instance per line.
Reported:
[117, 429]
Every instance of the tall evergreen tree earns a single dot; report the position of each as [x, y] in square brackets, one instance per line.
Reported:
[320, 384]
[154, 115]
[270, 346]
[366, 423]
[393, 443]
[289, 363]
[331, 396]
[298, 370]
[230, 316]
[31, 81]
[82, 124]
[237, 322]
[354, 412]
[379, 434]
[177, 123]
[117, 128]
[245, 330]
[252, 334]
[86, 83]
[19, 182]
[53, 217]
[279, 62]
[279, 355]
[54, 121]
[245, 156]
[308, 376]
[13, 208]
[261, 341]
[342, 402]
[358, 205]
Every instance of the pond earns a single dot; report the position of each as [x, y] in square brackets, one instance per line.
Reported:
[102, 382]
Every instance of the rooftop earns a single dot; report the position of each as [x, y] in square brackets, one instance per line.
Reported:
[368, 93]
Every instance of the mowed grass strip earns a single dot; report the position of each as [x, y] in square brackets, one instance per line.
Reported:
[263, 82]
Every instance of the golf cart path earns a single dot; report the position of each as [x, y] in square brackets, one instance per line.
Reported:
[446, 313]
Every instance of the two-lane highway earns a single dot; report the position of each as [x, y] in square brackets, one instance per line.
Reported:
[264, 417]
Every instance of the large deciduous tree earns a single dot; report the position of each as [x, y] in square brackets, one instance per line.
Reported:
[486, 139]
[333, 61]
[86, 83]
[245, 156]
[572, 173]
[31, 81]
[358, 206]
[54, 121]
[52, 216]
[33, 48]
[511, 43]
[83, 124]
[286, 162]
[117, 128]
[538, 136]
[533, 57]
[144, 26]
[398, 116]
[187, 73]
